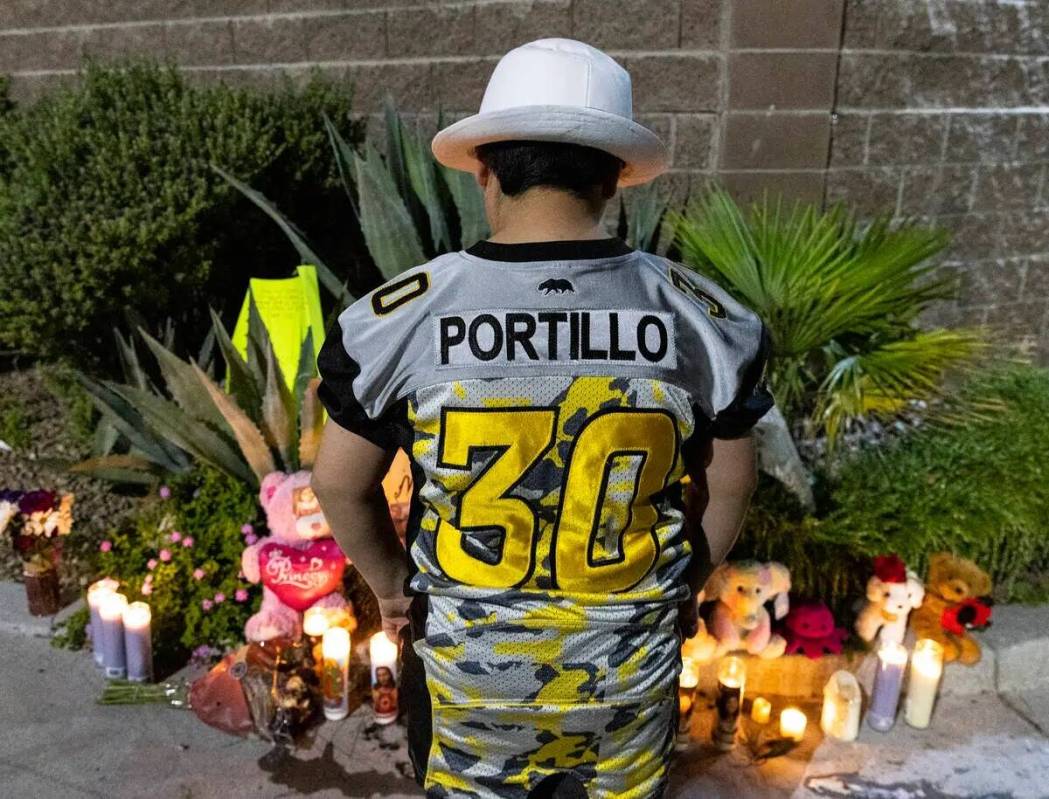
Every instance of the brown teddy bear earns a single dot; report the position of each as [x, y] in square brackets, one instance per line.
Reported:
[956, 600]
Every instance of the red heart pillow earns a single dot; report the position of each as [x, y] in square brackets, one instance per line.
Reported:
[299, 577]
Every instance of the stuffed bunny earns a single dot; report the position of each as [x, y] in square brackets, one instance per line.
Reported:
[892, 593]
[299, 564]
[740, 620]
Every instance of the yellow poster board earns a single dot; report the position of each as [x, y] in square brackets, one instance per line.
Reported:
[289, 307]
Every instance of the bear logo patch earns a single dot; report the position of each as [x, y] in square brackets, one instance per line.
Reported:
[556, 286]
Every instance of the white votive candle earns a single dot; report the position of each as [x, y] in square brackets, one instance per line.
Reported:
[923, 683]
[761, 710]
[842, 701]
[382, 652]
[335, 648]
[95, 592]
[792, 723]
[112, 614]
[138, 644]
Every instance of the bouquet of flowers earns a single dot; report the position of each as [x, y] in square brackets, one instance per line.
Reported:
[36, 520]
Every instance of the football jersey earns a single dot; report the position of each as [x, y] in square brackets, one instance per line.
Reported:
[551, 396]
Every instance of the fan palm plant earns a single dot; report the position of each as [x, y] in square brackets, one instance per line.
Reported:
[841, 304]
[252, 426]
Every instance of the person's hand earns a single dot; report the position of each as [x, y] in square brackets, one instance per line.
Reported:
[688, 618]
[394, 616]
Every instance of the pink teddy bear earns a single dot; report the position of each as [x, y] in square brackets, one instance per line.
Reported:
[299, 564]
[740, 620]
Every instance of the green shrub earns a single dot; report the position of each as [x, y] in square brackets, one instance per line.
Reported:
[208, 509]
[108, 202]
[980, 490]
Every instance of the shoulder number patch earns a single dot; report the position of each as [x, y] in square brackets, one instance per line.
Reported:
[392, 296]
[683, 284]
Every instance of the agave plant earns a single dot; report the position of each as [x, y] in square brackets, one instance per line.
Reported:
[841, 304]
[411, 208]
[252, 426]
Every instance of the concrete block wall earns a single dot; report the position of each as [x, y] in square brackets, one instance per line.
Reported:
[932, 108]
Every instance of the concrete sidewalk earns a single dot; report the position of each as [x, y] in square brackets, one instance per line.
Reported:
[987, 740]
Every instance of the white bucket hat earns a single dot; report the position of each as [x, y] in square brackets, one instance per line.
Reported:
[557, 90]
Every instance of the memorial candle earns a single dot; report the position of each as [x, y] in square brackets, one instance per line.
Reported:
[923, 683]
[687, 682]
[335, 646]
[892, 658]
[731, 677]
[111, 612]
[95, 593]
[842, 701]
[383, 655]
[792, 723]
[138, 645]
[761, 710]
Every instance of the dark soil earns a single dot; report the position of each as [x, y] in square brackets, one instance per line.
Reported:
[45, 442]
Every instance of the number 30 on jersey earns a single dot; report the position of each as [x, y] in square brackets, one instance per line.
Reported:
[582, 558]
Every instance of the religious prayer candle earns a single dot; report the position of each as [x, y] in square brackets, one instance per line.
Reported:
[842, 701]
[761, 710]
[792, 724]
[923, 683]
[138, 645]
[892, 658]
[111, 612]
[95, 592]
[687, 682]
[732, 675]
[383, 655]
[335, 647]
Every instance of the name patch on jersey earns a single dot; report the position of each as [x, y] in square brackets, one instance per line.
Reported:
[533, 337]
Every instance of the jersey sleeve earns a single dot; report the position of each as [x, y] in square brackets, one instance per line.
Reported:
[753, 399]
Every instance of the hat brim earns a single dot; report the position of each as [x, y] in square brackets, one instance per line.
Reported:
[643, 151]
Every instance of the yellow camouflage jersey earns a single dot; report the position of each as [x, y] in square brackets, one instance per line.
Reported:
[550, 395]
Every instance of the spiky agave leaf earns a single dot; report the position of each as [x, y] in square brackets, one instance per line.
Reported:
[295, 236]
[422, 174]
[250, 440]
[311, 424]
[389, 231]
[469, 204]
[195, 437]
[278, 413]
[119, 469]
[307, 368]
[239, 379]
[184, 387]
[344, 161]
[644, 207]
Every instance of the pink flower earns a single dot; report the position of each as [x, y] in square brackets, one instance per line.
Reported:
[250, 539]
[246, 529]
[220, 598]
[206, 604]
[187, 541]
[198, 574]
[149, 578]
[151, 564]
[165, 492]
[165, 555]
[147, 588]
[176, 537]
[241, 595]
[105, 546]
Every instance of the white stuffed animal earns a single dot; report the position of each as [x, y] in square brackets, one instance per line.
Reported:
[892, 593]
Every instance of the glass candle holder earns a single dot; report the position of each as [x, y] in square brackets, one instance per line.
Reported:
[842, 702]
[383, 654]
[732, 675]
[686, 691]
[335, 647]
[138, 643]
[892, 658]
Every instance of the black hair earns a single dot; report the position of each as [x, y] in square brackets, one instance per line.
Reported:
[520, 165]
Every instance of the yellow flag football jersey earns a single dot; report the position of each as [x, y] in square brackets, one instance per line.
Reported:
[550, 396]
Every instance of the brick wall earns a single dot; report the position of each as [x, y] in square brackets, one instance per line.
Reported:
[934, 108]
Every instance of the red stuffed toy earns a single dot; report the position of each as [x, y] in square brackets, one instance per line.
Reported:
[809, 628]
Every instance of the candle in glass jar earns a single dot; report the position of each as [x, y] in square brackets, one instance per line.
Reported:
[95, 593]
[731, 678]
[892, 658]
[761, 710]
[792, 723]
[923, 683]
[315, 621]
[842, 701]
[383, 655]
[111, 612]
[138, 646]
[687, 682]
[335, 647]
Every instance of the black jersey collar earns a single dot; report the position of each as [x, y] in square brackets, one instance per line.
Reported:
[561, 250]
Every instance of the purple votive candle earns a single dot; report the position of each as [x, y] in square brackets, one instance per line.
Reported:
[113, 657]
[95, 594]
[892, 660]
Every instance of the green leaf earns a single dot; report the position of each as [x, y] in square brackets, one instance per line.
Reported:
[119, 469]
[295, 236]
[469, 203]
[644, 207]
[312, 425]
[388, 228]
[422, 173]
[344, 162]
[239, 380]
[250, 440]
[278, 413]
[195, 437]
[307, 367]
[184, 387]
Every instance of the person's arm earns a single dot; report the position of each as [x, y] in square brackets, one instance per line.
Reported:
[347, 479]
